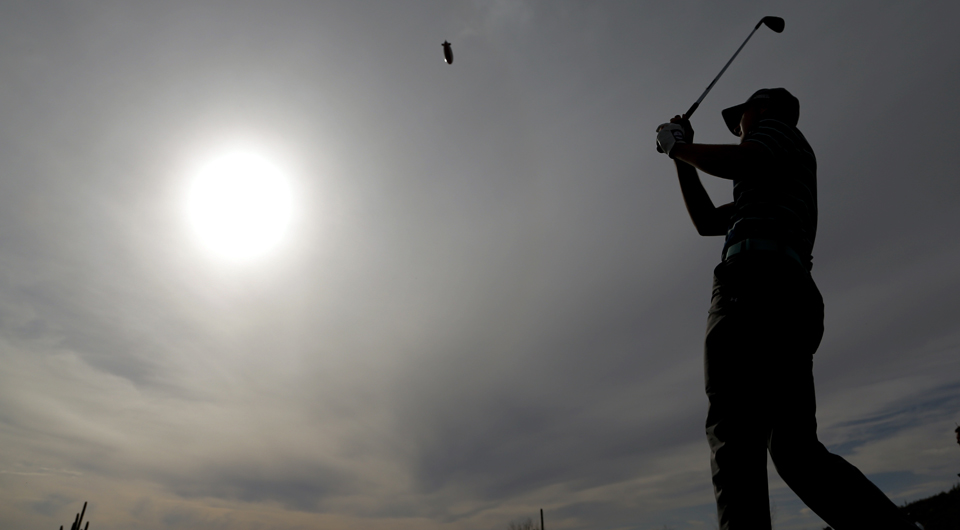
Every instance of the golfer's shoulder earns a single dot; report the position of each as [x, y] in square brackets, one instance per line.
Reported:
[781, 139]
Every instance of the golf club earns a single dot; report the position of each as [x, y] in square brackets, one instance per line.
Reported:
[774, 23]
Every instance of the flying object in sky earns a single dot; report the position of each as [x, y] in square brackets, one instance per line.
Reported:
[447, 53]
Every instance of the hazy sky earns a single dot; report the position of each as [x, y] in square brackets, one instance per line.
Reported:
[490, 299]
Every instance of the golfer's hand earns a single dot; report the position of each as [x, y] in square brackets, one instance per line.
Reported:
[687, 128]
[668, 136]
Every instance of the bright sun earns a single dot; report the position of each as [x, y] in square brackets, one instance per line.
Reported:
[240, 205]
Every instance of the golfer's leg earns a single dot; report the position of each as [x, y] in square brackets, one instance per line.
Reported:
[736, 434]
[829, 485]
[738, 460]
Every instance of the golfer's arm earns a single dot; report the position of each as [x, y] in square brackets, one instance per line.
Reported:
[724, 161]
[707, 218]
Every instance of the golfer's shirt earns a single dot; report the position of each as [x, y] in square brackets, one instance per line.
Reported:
[780, 201]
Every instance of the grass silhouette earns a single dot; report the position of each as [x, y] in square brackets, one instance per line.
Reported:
[939, 512]
[78, 520]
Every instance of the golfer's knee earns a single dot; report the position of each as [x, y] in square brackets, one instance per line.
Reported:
[797, 460]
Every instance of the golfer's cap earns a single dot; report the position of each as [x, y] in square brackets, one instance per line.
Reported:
[787, 105]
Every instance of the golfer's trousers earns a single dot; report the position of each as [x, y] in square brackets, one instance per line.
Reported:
[765, 323]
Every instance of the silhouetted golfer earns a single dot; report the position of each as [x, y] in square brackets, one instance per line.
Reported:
[766, 321]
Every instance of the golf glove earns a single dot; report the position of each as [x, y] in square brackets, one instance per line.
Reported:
[668, 136]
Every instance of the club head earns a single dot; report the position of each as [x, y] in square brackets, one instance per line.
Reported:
[774, 23]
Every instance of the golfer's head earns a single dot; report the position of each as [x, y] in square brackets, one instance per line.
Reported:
[752, 114]
[775, 103]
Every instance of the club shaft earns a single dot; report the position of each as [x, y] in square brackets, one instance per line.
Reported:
[715, 79]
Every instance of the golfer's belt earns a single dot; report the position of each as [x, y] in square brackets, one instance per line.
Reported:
[769, 245]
